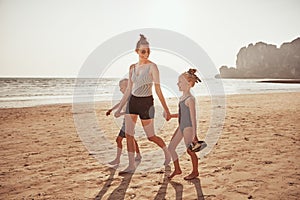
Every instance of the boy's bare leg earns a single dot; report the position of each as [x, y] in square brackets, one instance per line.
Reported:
[116, 161]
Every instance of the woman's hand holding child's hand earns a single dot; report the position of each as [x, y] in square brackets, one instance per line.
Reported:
[117, 113]
[167, 115]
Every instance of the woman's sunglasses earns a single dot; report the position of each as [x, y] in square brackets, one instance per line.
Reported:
[145, 51]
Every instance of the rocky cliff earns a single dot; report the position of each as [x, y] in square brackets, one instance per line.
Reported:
[266, 61]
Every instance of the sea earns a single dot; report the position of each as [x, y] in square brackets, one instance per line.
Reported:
[28, 92]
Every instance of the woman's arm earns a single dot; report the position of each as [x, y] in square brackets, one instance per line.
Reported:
[156, 80]
[126, 94]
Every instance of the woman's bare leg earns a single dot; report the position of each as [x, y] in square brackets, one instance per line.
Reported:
[130, 121]
[149, 130]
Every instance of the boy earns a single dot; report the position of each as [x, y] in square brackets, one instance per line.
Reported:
[121, 136]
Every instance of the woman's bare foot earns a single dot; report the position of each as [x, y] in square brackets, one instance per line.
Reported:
[167, 156]
[128, 170]
[176, 172]
[138, 157]
[191, 176]
[114, 162]
[167, 160]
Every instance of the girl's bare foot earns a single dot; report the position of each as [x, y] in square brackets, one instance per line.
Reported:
[174, 174]
[114, 162]
[191, 176]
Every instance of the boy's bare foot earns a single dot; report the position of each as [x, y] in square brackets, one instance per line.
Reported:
[174, 174]
[114, 162]
[191, 176]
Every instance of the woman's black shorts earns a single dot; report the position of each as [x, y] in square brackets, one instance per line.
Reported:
[142, 106]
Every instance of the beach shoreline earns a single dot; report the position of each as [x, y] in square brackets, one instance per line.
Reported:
[18, 93]
[289, 81]
[256, 156]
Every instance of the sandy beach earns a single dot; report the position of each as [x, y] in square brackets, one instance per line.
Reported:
[256, 157]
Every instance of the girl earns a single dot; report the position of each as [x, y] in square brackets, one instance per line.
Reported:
[187, 124]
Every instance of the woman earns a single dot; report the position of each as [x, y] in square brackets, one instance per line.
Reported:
[142, 75]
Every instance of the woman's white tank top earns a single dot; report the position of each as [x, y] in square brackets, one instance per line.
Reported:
[142, 82]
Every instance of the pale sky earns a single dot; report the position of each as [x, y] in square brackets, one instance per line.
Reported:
[53, 38]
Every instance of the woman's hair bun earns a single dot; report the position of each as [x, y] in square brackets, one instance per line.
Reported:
[142, 41]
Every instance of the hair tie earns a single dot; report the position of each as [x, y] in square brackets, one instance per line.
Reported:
[192, 73]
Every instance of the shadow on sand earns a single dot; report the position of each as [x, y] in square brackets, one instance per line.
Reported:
[197, 183]
[120, 191]
[107, 184]
[161, 194]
